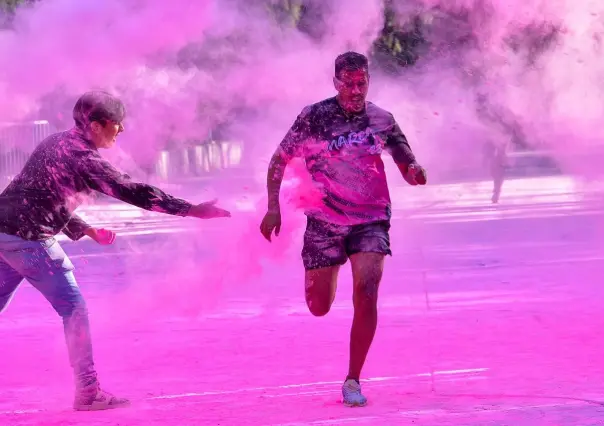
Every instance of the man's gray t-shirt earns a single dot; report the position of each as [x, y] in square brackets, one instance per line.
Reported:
[342, 152]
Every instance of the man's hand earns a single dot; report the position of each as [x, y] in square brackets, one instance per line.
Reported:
[103, 237]
[415, 175]
[270, 223]
[208, 210]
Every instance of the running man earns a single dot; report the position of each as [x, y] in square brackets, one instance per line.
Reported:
[341, 140]
[39, 203]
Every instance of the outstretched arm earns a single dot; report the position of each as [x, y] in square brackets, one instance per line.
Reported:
[101, 176]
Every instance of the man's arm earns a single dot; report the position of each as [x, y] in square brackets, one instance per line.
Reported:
[76, 228]
[274, 178]
[398, 146]
[102, 177]
[400, 150]
[290, 147]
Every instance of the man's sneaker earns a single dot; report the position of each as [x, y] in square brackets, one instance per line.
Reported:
[351, 391]
[98, 400]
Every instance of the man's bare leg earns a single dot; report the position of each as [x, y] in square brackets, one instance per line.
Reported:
[367, 269]
[320, 287]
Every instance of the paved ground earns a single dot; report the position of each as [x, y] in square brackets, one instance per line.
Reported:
[536, 197]
[493, 321]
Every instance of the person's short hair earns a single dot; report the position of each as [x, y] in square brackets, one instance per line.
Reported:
[351, 61]
[98, 106]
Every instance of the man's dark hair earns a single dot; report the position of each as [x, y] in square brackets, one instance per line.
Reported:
[98, 106]
[351, 61]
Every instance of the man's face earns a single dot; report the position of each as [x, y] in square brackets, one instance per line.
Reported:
[352, 87]
[105, 136]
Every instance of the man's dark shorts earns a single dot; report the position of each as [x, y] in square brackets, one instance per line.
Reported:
[326, 244]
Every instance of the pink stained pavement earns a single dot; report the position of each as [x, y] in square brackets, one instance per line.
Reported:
[489, 364]
[515, 342]
[509, 334]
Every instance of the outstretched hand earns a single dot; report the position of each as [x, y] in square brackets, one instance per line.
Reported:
[208, 210]
[103, 237]
[416, 175]
[270, 223]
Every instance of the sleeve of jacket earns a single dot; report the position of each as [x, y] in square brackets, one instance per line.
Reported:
[101, 176]
[76, 228]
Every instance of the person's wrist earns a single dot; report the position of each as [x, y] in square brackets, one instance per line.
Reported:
[274, 207]
[186, 210]
[273, 203]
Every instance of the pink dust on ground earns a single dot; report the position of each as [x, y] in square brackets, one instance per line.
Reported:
[510, 333]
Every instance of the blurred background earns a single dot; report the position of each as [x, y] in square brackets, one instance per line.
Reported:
[412, 36]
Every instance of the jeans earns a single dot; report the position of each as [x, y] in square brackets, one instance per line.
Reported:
[47, 268]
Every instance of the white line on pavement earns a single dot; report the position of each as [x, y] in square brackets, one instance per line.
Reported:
[318, 384]
[471, 373]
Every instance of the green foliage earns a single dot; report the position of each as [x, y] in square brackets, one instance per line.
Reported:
[395, 48]
[285, 12]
